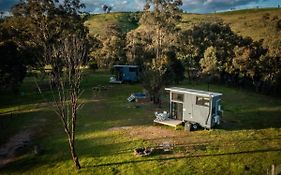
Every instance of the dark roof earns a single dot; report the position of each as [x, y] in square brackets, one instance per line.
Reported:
[133, 66]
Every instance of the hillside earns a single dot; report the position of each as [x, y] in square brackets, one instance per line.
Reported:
[255, 23]
[97, 23]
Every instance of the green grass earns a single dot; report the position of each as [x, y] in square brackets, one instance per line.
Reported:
[247, 23]
[245, 11]
[97, 23]
[248, 142]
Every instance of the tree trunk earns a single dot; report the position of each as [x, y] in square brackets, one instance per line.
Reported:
[74, 109]
[73, 154]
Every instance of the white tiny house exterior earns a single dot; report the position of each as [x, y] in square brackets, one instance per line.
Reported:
[195, 107]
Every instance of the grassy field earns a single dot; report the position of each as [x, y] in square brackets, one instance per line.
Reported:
[110, 128]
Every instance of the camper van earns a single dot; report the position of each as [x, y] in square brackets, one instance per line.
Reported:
[125, 73]
[194, 107]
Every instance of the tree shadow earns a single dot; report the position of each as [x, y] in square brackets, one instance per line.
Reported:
[96, 147]
[187, 156]
[252, 120]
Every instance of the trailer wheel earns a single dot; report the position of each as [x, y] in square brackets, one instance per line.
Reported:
[195, 126]
[187, 126]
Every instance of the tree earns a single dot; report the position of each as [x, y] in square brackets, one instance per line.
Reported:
[106, 8]
[236, 59]
[58, 30]
[155, 38]
[209, 64]
[111, 49]
[135, 46]
[175, 69]
[271, 67]
[12, 67]
[16, 55]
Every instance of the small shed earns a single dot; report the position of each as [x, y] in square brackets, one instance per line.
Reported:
[125, 73]
[195, 107]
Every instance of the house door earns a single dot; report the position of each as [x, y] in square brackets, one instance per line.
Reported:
[177, 110]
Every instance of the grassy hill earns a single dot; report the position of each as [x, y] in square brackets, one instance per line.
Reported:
[97, 23]
[255, 23]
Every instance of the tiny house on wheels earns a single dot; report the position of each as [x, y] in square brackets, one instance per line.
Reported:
[194, 107]
[125, 73]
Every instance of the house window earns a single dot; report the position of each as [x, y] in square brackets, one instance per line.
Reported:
[177, 97]
[203, 101]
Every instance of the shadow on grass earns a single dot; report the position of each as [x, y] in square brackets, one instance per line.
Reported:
[96, 147]
[30, 161]
[91, 149]
[252, 120]
[187, 156]
[244, 109]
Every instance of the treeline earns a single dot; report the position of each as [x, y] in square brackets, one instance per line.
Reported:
[166, 53]
[231, 59]
[210, 51]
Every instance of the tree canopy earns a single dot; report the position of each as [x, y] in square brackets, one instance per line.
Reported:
[150, 44]
[57, 30]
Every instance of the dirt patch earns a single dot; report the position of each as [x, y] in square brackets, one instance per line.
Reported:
[156, 133]
[16, 145]
[21, 142]
[120, 128]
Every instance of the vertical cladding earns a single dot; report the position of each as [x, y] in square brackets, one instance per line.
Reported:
[197, 106]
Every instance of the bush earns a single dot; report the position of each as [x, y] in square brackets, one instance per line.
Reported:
[93, 65]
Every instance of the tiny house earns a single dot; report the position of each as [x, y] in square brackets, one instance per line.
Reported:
[195, 107]
[125, 73]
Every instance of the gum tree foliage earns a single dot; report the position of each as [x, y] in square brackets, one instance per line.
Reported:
[272, 61]
[226, 54]
[106, 8]
[111, 47]
[216, 35]
[57, 29]
[12, 65]
[217, 51]
[16, 54]
[209, 63]
[235, 60]
[149, 45]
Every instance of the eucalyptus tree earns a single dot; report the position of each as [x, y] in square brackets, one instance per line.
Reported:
[111, 49]
[209, 63]
[150, 43]
[57, 29]
[16, 53]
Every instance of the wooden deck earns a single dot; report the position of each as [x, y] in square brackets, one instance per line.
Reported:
[115, 82]
[169, 122]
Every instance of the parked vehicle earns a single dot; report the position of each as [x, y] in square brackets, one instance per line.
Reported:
[125, 73]
[195, 107]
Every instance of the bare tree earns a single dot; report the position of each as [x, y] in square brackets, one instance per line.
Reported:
[65, 85]
[58, 30]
